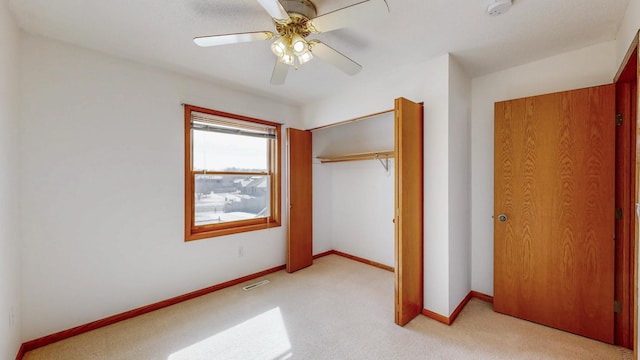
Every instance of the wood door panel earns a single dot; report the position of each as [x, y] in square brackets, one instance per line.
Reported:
[299, 209]
[409, 209]
[554, 179]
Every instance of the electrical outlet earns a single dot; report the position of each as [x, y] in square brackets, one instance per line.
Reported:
[240, 251]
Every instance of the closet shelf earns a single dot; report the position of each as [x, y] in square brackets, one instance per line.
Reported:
[375, 155]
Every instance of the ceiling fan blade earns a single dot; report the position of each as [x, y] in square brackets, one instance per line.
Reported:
[279, 74]
[275, 9]
[215, 40]
[334, 57]
[350, 15]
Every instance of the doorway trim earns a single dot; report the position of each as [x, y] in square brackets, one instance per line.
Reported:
[626, 80]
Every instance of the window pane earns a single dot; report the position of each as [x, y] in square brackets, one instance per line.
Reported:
[227, 152]
[223, 198]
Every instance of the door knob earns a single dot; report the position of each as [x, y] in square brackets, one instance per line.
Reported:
[502, 217]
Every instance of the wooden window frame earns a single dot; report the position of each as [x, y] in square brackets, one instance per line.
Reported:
[197, 232]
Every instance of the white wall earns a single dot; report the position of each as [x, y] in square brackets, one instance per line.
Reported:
[362, 209]
[9, 186]
[322, 207]
[411, 82]
[594, 65]
[436, 184]
[459, 184]
[103, 188]
[628, 30]
[427, 82]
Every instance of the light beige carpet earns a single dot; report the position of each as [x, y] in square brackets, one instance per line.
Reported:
[335, 309]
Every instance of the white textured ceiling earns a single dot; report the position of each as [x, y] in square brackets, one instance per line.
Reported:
[160, 32]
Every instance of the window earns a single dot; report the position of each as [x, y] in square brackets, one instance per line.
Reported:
[232, 173]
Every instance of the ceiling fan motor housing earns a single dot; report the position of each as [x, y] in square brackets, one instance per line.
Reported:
[302, 7]
[300, 11]
[296, 25]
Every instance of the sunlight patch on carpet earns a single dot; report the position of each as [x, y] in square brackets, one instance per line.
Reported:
[261, 337]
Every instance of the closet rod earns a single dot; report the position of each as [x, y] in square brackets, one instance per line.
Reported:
[377, 155]
[351, 120]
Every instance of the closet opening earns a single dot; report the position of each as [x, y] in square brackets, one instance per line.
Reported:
[367, 195]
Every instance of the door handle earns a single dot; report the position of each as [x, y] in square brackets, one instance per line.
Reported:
[502, 218]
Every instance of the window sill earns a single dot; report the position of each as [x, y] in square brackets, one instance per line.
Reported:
[205, 234]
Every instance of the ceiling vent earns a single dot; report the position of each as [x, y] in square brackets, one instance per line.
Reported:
[498, 7]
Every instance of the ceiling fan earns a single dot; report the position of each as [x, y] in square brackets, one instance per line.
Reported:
[294, 21]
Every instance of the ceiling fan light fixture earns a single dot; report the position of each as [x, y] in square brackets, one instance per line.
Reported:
[279, 47]
[299, 45]
[305, 57]
[287, 58]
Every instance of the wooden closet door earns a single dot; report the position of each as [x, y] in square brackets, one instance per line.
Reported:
[299, 209]
[409, 209]
[554, 210]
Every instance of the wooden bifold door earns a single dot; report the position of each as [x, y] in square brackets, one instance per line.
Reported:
[409, 204]
[300, 210]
